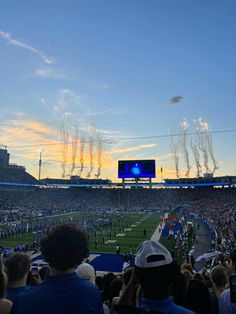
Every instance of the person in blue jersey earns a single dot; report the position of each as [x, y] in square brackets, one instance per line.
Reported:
[62, 292]
[155, 271]
[17, 267]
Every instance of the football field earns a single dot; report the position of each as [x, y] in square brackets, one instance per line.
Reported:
[126, 231]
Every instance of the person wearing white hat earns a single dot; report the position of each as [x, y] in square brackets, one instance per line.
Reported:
[155, 271]
[86, 271]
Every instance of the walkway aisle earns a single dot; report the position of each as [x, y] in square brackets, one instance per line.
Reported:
[203, 244]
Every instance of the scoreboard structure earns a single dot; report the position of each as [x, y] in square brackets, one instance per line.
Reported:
[136, 170]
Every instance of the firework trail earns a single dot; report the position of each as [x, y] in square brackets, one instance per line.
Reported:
[64, 137]
[196, 154]
[81, 151]
[208, 141]
[211, 152]
[183, 143]
[174, 145]
[92, 132]
[99, 153]
[74, 145]
[202, 128]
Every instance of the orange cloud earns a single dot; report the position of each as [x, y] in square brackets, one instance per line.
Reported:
[25, 137]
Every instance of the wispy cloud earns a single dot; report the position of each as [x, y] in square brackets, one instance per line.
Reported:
[105, 86]
[133, 148]
[164, 157]
[48, 72]
[104, 112]
[23, 131]
[15, 42]
[68, 99]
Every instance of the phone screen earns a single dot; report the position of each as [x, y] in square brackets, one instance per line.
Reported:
[34, 271]
[233, 288]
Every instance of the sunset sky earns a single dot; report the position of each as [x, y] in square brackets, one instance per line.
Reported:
[131, 69]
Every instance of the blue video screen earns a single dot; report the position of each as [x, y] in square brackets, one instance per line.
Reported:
[136, 169]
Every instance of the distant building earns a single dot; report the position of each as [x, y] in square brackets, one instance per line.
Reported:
[4, 158]
[10, 173]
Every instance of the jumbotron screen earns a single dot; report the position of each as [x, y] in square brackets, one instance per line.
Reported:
[136, 169]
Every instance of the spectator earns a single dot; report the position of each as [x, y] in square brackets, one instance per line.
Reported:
[107, 280]
[225, 305]
[219, 280]
[198, 276]
[86, 271]
[179, 289]
[156, 271]
[115, 289]
[198, 297]
[5, 305]
[63, 247]
[126, 279]
[17, 269]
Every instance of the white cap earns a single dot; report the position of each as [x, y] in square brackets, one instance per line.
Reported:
[86, 271]
[152, 254]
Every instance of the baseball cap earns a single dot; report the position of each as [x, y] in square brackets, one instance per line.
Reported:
[152, 254]
[86, 271]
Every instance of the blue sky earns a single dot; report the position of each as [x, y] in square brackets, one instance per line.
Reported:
[117, 65]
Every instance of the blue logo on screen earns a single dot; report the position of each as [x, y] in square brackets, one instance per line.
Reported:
[135, 170]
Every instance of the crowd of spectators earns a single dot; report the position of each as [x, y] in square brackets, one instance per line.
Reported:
[156, 283]
[19, 208]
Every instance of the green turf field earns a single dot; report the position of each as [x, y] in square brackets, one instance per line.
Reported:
[126, 231]
[132, 235]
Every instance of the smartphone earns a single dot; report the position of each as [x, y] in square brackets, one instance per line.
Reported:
[232, 281]
[34, 271]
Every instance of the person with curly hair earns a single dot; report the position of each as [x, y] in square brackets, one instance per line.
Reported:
[63, 247]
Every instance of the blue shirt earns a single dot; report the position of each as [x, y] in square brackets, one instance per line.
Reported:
[12, 292]
[164, 306]
[66, 294]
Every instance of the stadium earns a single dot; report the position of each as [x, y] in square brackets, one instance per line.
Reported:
[194, 218]
[117, 157]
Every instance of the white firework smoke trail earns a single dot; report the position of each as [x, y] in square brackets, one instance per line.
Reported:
[208, 141]
[81, 152]
[74, 145]
[202, 128]
[196, 154]
[92, 132]
[174, 145]
[99, 153]
[64, 137]
[183, 142]
[211, 152]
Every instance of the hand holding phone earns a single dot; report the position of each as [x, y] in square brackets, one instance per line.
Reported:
[34, 271]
